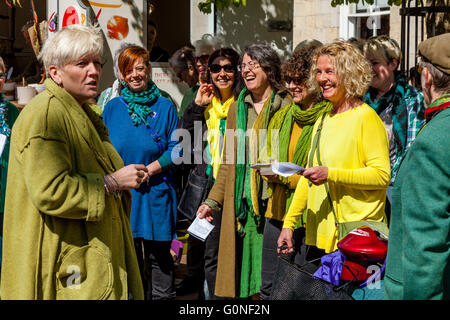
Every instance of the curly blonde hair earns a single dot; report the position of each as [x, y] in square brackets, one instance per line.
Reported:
[351, 67]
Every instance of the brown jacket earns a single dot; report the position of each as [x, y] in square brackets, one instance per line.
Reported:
[223, 192]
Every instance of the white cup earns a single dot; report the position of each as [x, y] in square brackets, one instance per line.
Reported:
[25, 94]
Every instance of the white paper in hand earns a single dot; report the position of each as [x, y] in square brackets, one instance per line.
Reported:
[2, 143]
[200, 228]
[286, 169]
[265, 169]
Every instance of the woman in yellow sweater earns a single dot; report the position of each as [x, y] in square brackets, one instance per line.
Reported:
[353, 149]
[295, 123]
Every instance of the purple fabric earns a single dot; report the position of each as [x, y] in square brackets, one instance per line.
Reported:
[331, 267]
[177, 247]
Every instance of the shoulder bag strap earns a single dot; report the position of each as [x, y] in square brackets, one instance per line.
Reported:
[315, 148]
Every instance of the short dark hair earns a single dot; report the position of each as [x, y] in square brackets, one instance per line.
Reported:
[269, 60]
[234, 58]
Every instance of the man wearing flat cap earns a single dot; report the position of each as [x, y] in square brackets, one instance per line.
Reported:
[418, 261]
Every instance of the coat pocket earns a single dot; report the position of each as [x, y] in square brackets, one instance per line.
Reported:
[84, 273]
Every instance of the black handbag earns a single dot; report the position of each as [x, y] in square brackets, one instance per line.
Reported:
[195, 192]
[294, 282]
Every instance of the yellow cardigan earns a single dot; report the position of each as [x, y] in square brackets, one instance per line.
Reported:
[355, 148]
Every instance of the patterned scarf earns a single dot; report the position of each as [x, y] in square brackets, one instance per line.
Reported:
[395, 97]
[4, 127]
[139, 103]
[437, 106]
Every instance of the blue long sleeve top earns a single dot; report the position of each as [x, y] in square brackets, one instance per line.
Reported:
[154, 205]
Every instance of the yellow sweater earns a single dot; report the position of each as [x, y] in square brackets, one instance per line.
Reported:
[354, 146]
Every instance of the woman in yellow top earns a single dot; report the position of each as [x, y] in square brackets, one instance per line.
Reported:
[295, 123]
[354, 154]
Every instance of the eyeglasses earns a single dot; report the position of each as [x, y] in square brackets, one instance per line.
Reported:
[252, 65]
[2, 75]
[216, 68]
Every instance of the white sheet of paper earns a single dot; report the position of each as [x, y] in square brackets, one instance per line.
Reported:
[265, 169]
[2, 143]
[200, 228]
[286, 169]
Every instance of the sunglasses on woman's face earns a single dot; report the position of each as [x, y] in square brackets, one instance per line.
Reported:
[216, 68]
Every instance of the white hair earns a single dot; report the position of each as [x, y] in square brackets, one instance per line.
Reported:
[70, 44]
[207, 44]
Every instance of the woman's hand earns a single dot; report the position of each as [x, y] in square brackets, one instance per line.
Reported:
[204, 95]
[284, 242]
[152, 169]
[130, 177]
[317, 175]
[205, 211]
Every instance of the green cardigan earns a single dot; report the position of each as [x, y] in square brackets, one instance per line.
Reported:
[418, 261]
[64, 238]
[11, 117]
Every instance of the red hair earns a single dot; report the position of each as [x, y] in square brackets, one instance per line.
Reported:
[130, 55]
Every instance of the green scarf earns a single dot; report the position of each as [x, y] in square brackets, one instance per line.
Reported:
[139, 103]
[243, 166]
[283, 120]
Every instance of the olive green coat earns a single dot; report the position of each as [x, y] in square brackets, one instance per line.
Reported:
[63, 237]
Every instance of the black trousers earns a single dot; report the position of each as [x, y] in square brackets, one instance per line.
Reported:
[211, 255]
[157, 268]
[302, 253]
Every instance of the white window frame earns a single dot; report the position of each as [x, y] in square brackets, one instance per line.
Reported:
[348, 19]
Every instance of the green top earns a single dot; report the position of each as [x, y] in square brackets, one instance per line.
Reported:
[11, 117]
[188, 97]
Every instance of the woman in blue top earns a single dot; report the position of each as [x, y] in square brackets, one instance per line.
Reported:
[141, 123]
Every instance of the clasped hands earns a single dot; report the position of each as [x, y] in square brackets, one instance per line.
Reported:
[133, 175]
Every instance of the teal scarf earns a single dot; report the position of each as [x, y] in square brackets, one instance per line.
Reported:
[396, 97]
[4, 127]
[139, 103]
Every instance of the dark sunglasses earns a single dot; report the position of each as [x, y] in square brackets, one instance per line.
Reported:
[3, 75]
[296, 80]
[216, 68]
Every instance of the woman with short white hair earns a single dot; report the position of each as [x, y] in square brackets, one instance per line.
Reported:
[67, 233]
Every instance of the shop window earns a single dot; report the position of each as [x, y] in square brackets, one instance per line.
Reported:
[364, 21]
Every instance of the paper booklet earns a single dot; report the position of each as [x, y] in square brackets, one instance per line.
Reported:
[200, 228]
[284, 169]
